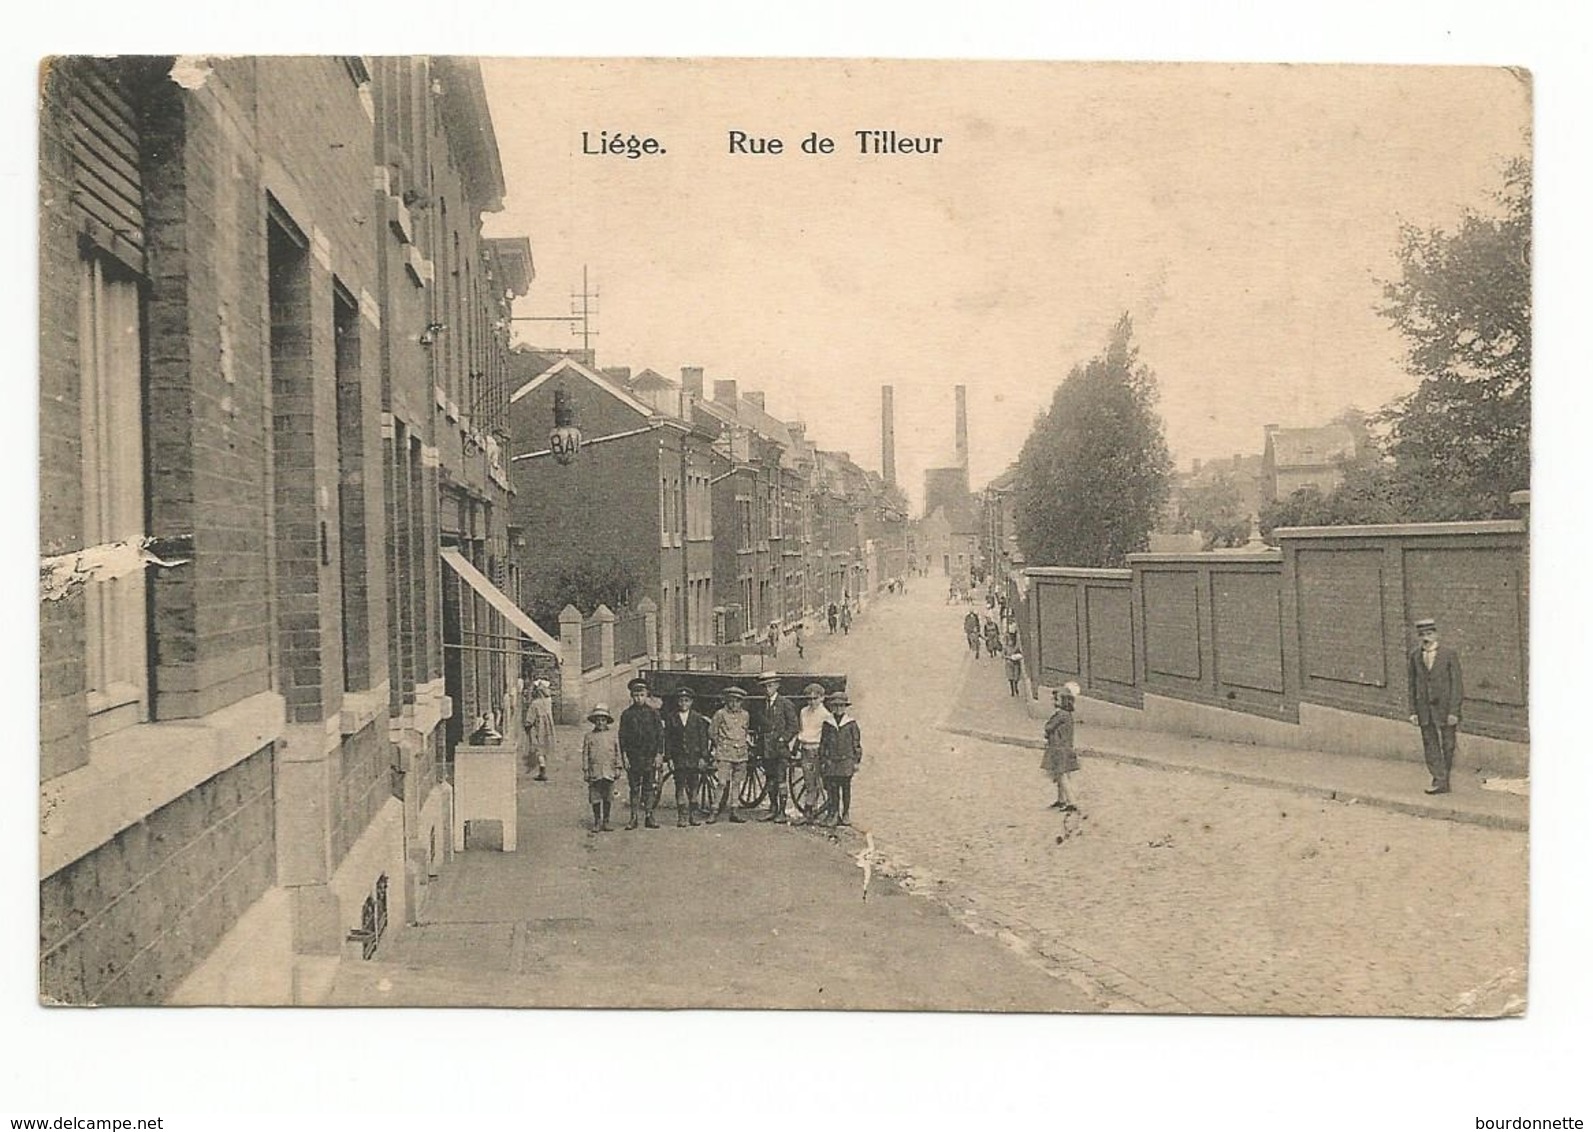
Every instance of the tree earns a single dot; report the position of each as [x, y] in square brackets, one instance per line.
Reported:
[1095, 472]
[585, 585]
[1214, 506]
[1368, 493]
[1461, 441]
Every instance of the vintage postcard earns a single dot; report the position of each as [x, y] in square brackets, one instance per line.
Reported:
[784, 534]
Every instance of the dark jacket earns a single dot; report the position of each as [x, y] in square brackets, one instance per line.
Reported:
[776, 725]
[841, 749]
[686, 742]
[1435, 695]
[641, 735]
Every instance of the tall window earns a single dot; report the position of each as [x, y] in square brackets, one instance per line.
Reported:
[111, 363]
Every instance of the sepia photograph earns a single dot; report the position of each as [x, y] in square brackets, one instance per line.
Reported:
[784, 537]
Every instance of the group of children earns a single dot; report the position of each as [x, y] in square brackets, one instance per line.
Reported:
[823, 735]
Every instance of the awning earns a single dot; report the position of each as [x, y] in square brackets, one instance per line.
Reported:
[499, 600]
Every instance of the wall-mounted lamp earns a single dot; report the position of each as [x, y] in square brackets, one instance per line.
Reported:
[429, 335]
[564, 441]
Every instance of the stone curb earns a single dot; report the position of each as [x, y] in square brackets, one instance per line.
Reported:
[1435, 811]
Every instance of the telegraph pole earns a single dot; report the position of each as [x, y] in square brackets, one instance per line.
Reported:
[582, 308]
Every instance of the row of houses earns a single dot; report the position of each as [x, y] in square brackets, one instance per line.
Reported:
[727, 519]
[274, 509]
[297, 496]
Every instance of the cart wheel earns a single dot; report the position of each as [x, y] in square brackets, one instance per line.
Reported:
[754, 786]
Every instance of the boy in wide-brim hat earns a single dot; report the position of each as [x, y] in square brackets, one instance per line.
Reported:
[600, 765]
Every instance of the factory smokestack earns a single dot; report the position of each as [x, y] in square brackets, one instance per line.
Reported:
[962, 426]
[887, 434]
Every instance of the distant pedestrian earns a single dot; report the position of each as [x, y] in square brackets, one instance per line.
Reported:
[641, 744]
[686, 751]
[1014, 660]
[796, 636]
[539, 728]
[846, 618]
[1060, 758]
[809, 741]
[600, 765]
[952, 595]
[834, 615]
[970, 629]
[774, 638]
[1436, 692]
[729, 744]
[841, 752]
[775, 731]
[992, 637]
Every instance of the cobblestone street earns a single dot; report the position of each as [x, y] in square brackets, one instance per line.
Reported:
[1177, 891]
[1173, 892]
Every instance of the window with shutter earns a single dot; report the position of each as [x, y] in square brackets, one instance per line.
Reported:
[116, 609]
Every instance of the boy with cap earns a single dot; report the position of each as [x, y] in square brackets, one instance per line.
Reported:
[776, 731]
[600, 765]
[839, 754]
[1435, 695]
[729, 741]
[641, 744]
[686, 750]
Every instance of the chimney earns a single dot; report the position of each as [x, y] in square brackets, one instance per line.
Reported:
[798, 429]
[887, 437]
[962, 426]
[691, 380]
[621, 374]
[755, 396]
[1270, 429]
[725, 391]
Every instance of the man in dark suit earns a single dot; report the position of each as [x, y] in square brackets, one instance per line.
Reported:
[1435, 695]
[776, 727]
[686, 750]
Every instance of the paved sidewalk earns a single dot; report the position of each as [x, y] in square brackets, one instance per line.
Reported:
[738, 916]
[984, 710]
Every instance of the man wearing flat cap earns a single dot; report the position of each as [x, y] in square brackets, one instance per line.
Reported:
[641, 743]
[1435, 695]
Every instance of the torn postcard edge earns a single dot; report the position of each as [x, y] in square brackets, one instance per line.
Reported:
[62, 575]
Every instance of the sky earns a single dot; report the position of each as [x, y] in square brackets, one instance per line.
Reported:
[1245, 216]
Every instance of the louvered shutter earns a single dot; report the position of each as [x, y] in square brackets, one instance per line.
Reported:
[108, 188]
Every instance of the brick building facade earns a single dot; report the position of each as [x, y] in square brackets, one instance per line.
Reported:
[239, 709]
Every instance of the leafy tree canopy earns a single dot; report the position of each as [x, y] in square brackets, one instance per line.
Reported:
[585, 585]
[1095, 472]
[1214, 506]
[1461, 441]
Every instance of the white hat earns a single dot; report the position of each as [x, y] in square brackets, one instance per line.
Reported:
[1071, 688]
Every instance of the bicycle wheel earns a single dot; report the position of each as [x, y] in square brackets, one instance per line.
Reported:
[754, 786]
[665, 779]
[708, 792]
